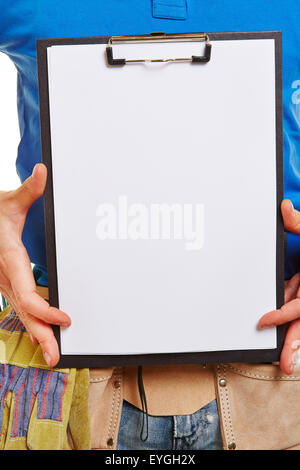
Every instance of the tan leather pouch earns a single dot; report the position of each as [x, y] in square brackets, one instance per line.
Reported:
[259, 406]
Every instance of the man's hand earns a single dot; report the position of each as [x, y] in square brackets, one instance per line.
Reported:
[290, 311]
[16, 279]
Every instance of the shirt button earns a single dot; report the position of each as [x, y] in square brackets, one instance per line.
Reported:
[231, 445]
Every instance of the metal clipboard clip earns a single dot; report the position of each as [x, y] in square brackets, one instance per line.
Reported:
[159, 37]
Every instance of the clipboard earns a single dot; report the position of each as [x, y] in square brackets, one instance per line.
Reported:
[115, 307]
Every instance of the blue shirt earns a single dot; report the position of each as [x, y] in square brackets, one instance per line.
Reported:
[22, 21]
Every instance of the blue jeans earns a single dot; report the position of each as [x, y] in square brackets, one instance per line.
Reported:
[198, 431]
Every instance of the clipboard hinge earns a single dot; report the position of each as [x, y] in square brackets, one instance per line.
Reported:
[159, 37]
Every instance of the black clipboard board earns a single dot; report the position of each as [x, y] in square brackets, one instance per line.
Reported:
[258, 355]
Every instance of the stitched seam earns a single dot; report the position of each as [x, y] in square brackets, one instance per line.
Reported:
[222, 401]
[17, 438]
[112, 411]
[182, 7]
[119, 377]
[43, 366]
[99, 379]
[228, 408]
[259, 376]
[6, 332]
[19, 364]
[37, 366]
[223, 405]
[49, 421]
[162, 15]
[10, 333]
[221, 391]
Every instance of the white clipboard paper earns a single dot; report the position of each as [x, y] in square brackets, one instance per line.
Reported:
[164, 235]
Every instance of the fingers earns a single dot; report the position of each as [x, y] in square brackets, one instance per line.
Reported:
[33, 310]
[288, 312]
[38, 307]
[291, 288]
[44, 335]
[31, 189]
[290, 349]
[36, 314]
[17, 268]
[291, 217]
[25, 298]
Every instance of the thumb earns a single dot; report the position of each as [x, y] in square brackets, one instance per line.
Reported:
[32, 188]
[291, 217]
